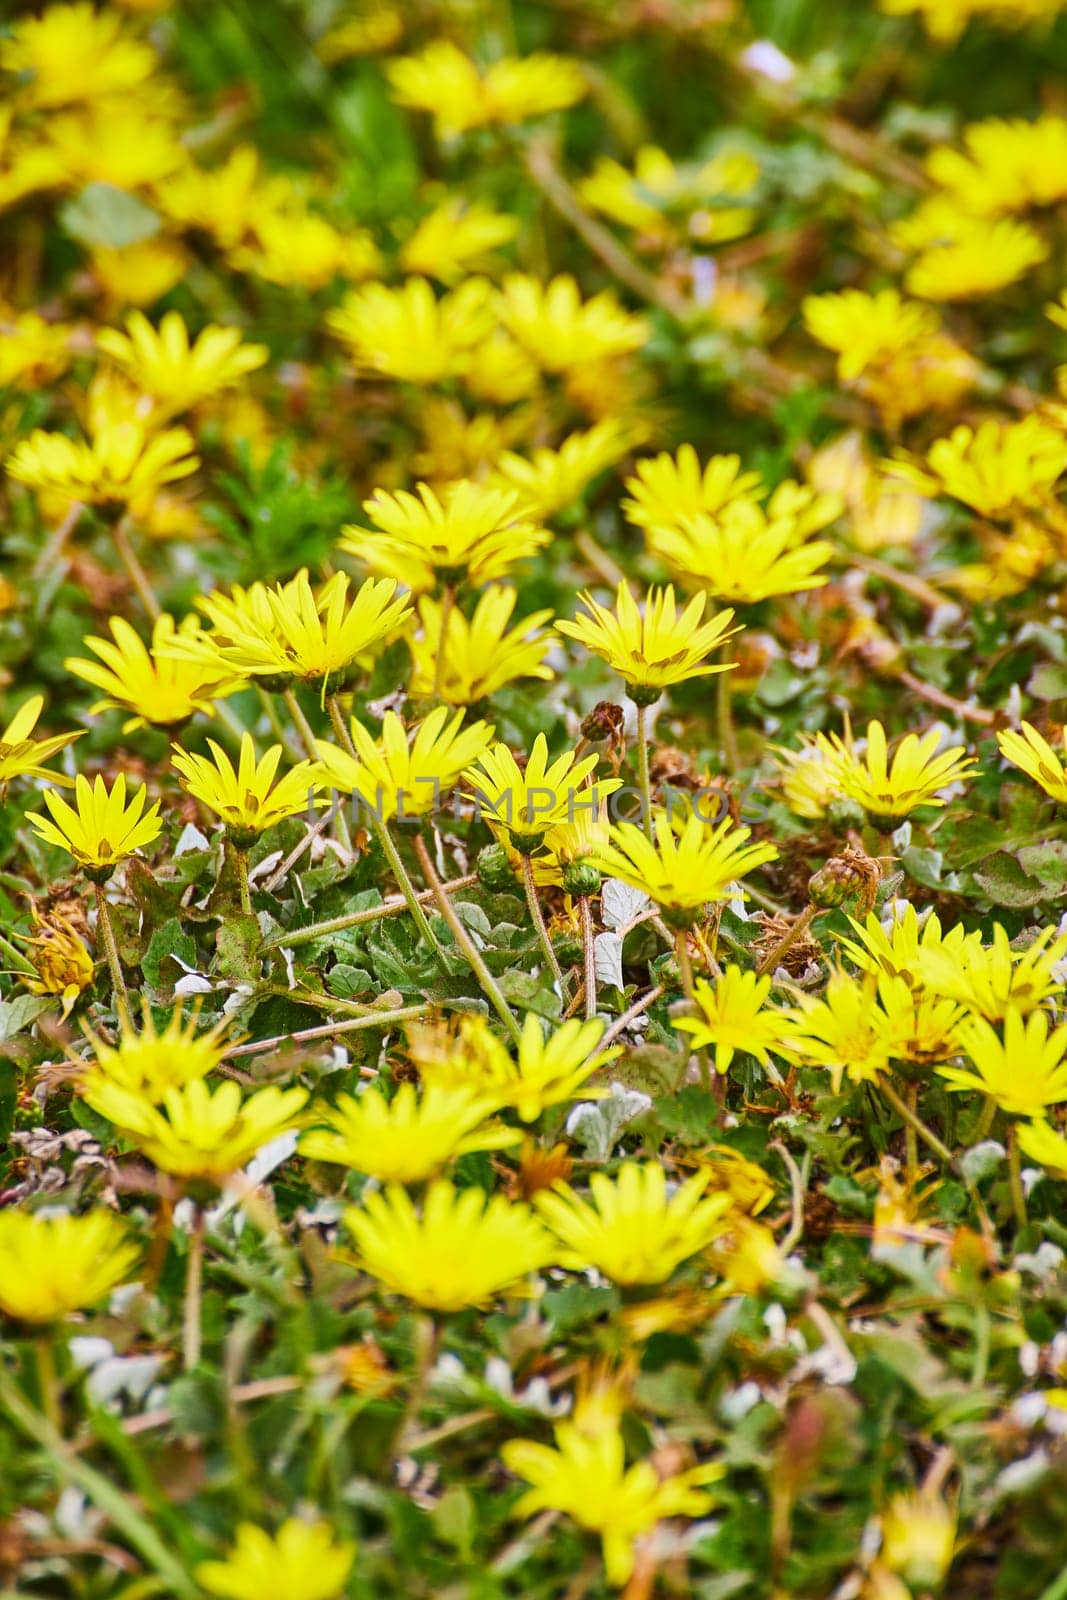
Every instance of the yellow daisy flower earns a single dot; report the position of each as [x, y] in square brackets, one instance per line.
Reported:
[524, 804]
[656, 647]
[33, 352]
[51, 1266]
[248, 799]
[299, 250]
[1033, 754]
[746, 554]
[22, 756]
[442, 80]
[1024, 1071]
[808, 776]
[979, 257]
[666, 491]
[122, 463]
[632, 1230]
[455, 239]
[902, 949]
[409, 1138]
[1046, 1145]
[302, 1561]
[158, 688]
[480, 655]
[406, 772]
[61, 961]
[177, 373]
[686, 865]
[149, 1061]
[547, 1071]
[559, 330]
[919, 1539]
[1007, 165]
[471, 532]
[733, 1015]
[991, 981]
[997, 469]
[888, 790]
[196, 1132]
[74, 52]
[101, 828]
[461, 1249]
[407, 334]
[551, 481]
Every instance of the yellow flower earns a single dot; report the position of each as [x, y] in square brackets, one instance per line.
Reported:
[1033, 754]
[176, 373]
[644, 199]
[158, 688]
[733, 1015]
[407, 334]
[63, 965]
[470, 532]
[744, 555]
[148, 1061]
[888, 790]
[1009, 165]
[22, 756]
[302, 1561]
[100, 829]
[560, 330]
[745, 1257]
[992, 981]
[657, 647]
[444, 81]
[902, 949]
[586, 1477]
[407, 1139]
[882, 513]
[139, 274]
[482, 654]
[690, 863]
[749, 1188]
[809, 776]
[377, 28]
[998, 469]
[1024, 1071]
[919, 1538]
[668, 490]
[524, 804]
[919, 1029]
[462, 1249]
[51, 1266]
[195, 1133]
[300, 250]
[33, 352]
[979, 256]
[123, 462]
[406, 772]
[632, 1230]
[547, 1072]
[1043, 1143]
[224, 202]
[125, 146]
[74, 52]
[247, 798]
[842, 1031]
[551, 481]
[288, 631]
[455, 238]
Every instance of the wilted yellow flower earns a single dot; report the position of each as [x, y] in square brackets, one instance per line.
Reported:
[408, 334]
[586, 1477]
[690, 864]
[978, 256]
[176, 372]
[524, 804]
[471, 532]
[560, 330]
[918, 1538]
[888, 790]
[732, 1015]
[632, 1230]
[1033, 754]
[668, 490]
[998, 469]
[653, 647]
[248, 799]
[444, 81]
[551, 481]
[302, 1561]
[480, 655]
[196, 1133]
[745, 1256]
[61, 960]
[148, 1061]
[74, 52]
[455, 238]
[33, 352]
[462, 1249]
[22, 756]
[993, 980]
[51, 1266]
[100, 829]
[1024, 1071]
[409, 1138]
[406, 772]
[747, 1184]
[157, 687]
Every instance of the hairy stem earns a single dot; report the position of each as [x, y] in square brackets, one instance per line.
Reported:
[106, 929]
[642, 770]
[585, 911]
[194, 1276]
[405, 885]
[490, 988]
[538, 917]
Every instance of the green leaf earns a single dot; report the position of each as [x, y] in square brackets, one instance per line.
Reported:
[20, 1013]
[1034, 874]
[109, 218]
[237, 944]
[159, 966]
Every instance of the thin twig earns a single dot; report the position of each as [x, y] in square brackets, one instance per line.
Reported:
[796, 1189]
[326, 1030]
[638, 1008]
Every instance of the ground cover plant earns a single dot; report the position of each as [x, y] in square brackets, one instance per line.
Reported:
[532, 778]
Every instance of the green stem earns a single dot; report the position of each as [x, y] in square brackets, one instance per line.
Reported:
[194, 1275]
[106, 930]
[490, 988]
[1015, 1177]
[300, 722]
[240, 861]
[585, 911]
[911, 1138]
[685, 965]
[290, 938]
[344, 738]
[277, 727]
[405, 885]
[372, 1018]
[912, 1120]
[985, 1120]
[47, 1382]
[135, 570]
[448, 600]
[643, 777]
[539, 920]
